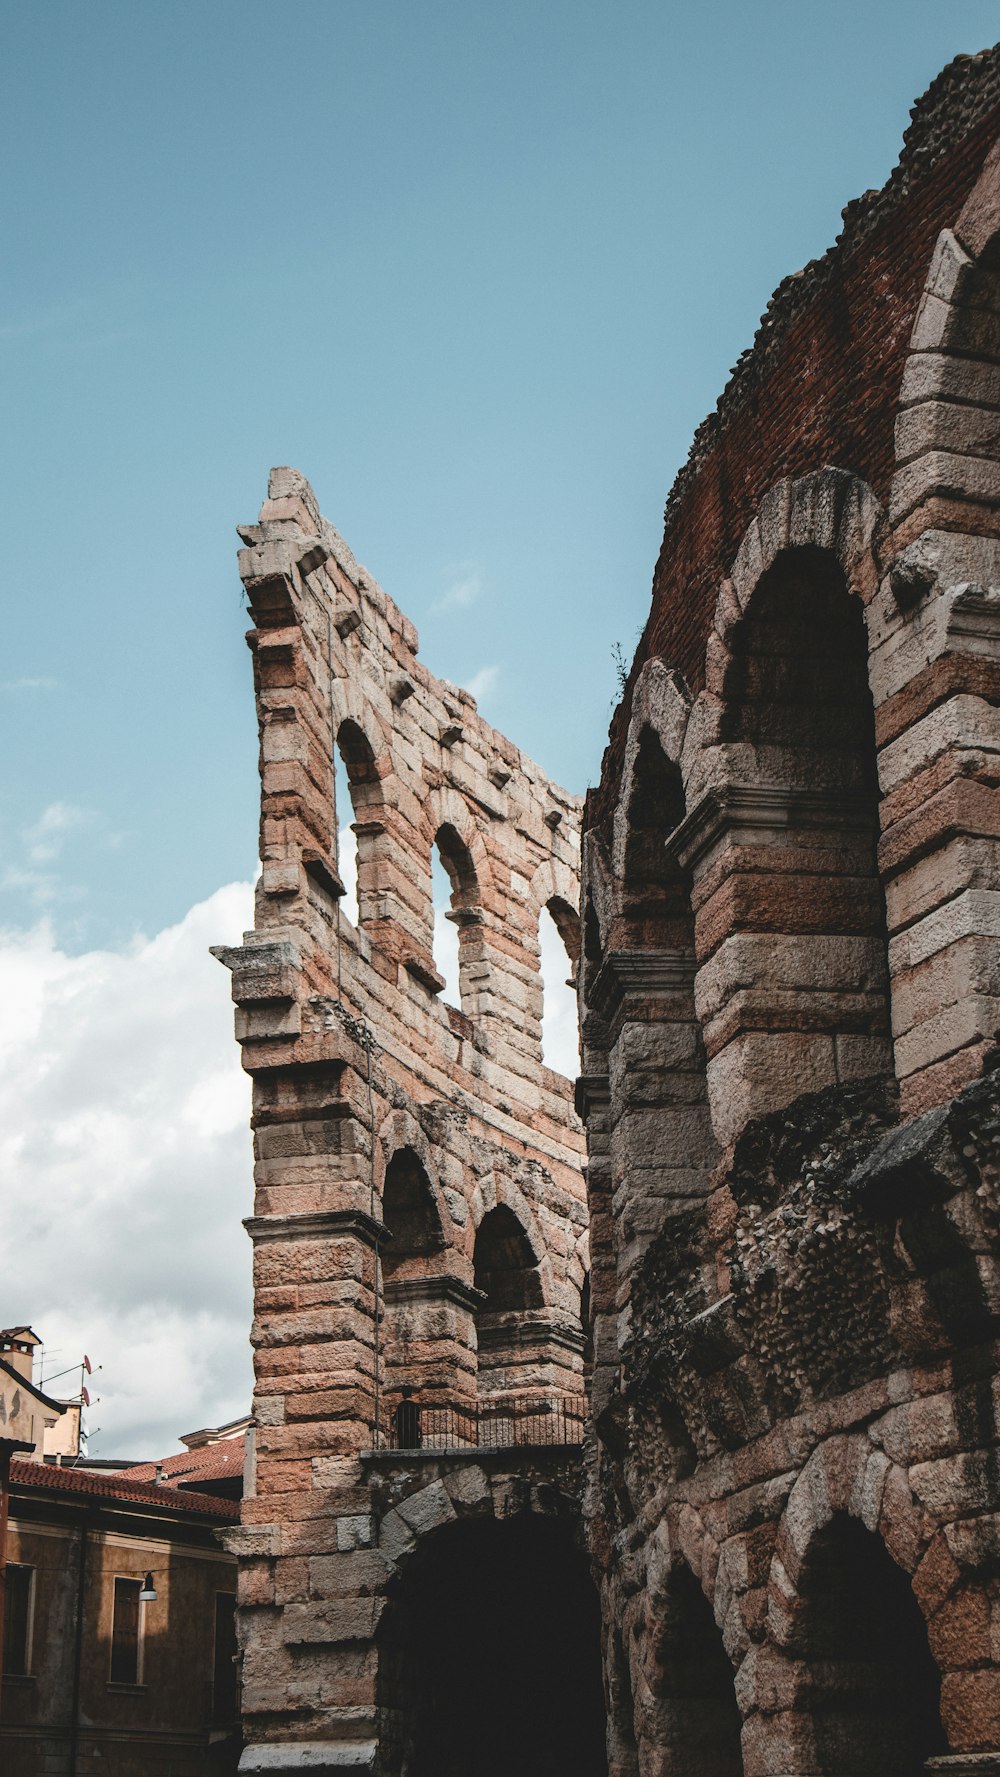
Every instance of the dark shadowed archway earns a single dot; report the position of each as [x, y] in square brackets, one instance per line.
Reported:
[870, 1683]
[689, 1720]
[489, 1658]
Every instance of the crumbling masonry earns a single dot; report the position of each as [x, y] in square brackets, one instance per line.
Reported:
[420, 1218]
[789, 982]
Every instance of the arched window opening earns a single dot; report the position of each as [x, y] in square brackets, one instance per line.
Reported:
[410, 1216]
[799, 719]
[347, 840]
[505, 1266]
[656, 891]
[458, 949]
[688, 1719]
[489, 1656]
[559, 946]
[870, 1682]
[358, 797]
[798, 681]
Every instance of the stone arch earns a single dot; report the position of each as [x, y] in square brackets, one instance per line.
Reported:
[947, 449]
[662, 1145]
[661, 702]
[449, 826]
[687, 1714]
[493, 1190]
[844, 1623]
[489, 1592]
[536, 1344]
[366, 759]
[426, 1333]
[554, 891]
[937, 712]
[783, 821]
[398, 1130]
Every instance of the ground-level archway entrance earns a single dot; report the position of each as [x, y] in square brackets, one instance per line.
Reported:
[489, 1657]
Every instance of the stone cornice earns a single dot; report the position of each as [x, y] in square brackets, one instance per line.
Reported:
[527, 1330]
[639, 972]
[319, 1224]
[755, 808]
[592, 1093]
[433, 1289]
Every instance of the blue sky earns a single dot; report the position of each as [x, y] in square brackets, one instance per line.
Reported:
[478, 271]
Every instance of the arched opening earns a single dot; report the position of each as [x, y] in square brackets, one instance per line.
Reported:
[794, 855]
[655, 889]
[414, 1349]
[559, 950]
[506, 1271]
[662, 1148]
[870, 1684]
[489, 1656]
[409, 1215]
[458, 948]
[688, 1718]
[357, 793]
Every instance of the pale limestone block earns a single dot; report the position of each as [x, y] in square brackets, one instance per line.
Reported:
[933, 375]
[964, 724]
[965, 862]
[947, 426]
[948, 475]
[960, 972]
[974, 913]
[760, 1071]
[428, 1509]
[773, 962]
[355, 1531]
[953, 1028]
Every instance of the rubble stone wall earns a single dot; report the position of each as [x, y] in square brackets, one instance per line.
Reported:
[790, 1001]
[420, 1214]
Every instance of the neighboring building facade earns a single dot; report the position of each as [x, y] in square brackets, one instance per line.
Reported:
[96, 1678]
[420, 1238]
[790, 1002]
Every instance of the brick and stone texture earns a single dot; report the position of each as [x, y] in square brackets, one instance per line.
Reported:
[420, 1218]
[790, 996]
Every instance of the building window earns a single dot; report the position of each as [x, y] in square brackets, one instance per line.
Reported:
[125, 1633]
[225, 1698]
[17, 1621]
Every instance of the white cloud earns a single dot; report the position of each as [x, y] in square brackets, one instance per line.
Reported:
[464, 590]
[481, 683]
[45, 838]
[126, 1158]
[29, 684]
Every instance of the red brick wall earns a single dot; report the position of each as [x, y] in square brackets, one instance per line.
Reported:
[821, 383]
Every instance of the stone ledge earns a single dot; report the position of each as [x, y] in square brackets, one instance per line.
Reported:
[315, 1756]
[328, 1224]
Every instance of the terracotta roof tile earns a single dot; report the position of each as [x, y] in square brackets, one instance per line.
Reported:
[211, 1462]
[120, 1488]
